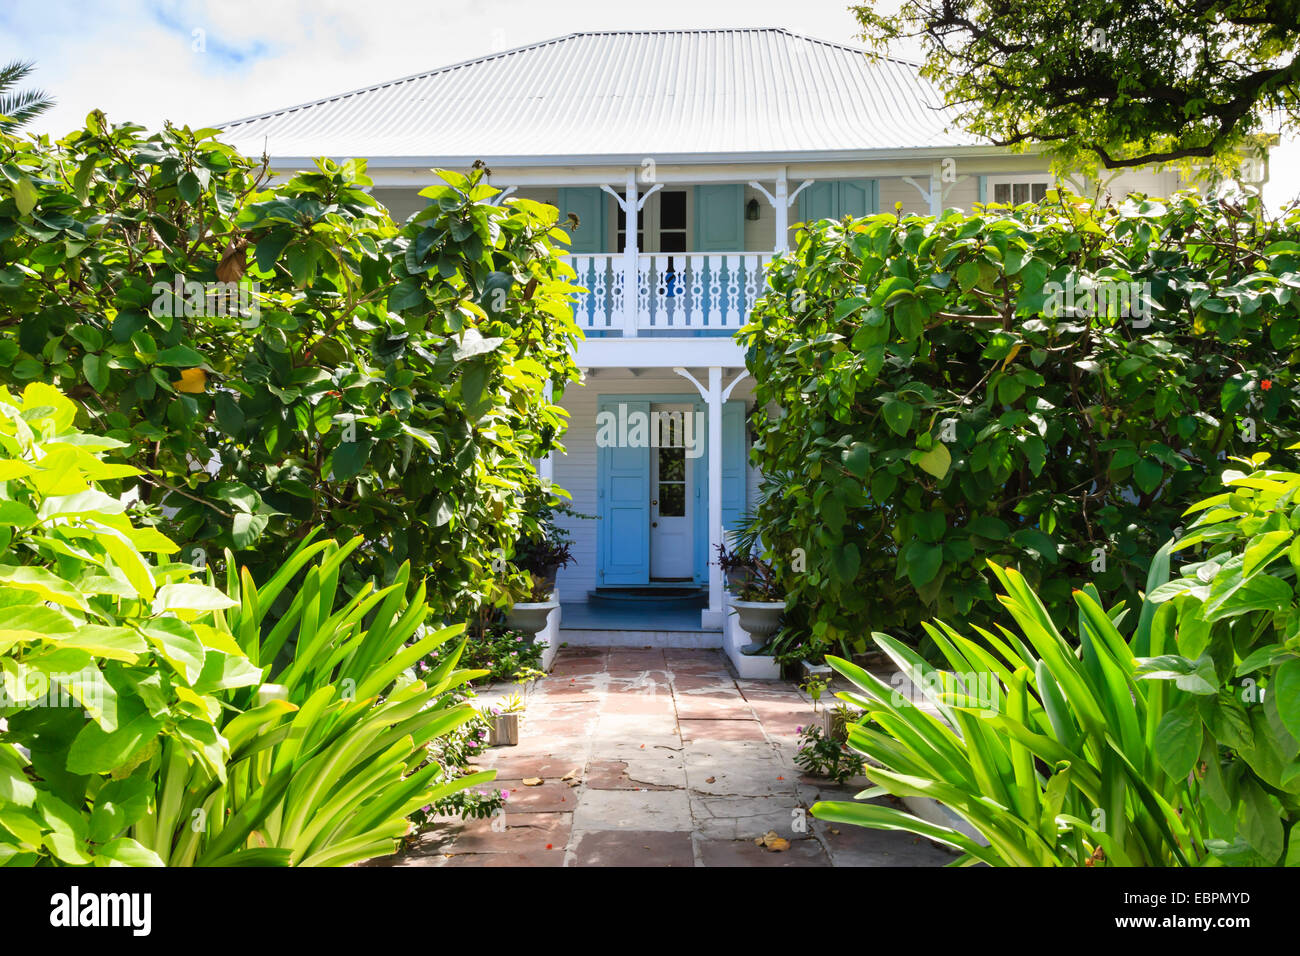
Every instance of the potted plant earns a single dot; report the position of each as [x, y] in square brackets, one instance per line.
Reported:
[539, 555]
[756, 595]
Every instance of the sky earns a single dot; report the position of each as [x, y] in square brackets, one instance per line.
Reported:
[202, 62]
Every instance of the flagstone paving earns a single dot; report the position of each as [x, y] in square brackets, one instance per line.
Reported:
[659, 757]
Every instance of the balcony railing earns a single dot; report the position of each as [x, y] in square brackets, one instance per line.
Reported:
[683, 293]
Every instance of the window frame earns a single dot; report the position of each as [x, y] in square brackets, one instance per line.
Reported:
[1012, 181]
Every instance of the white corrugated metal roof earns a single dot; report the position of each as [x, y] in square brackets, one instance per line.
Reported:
[625, 96]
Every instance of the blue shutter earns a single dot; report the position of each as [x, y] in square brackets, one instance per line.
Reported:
[700, 526]
[623, 505]
[720, 218]
[733, 464]
[819, 201]
[984, 189]
[719, 227]
[589, 203]
[855, 198]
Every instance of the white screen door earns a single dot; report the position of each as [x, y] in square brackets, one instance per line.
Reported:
[671, 504]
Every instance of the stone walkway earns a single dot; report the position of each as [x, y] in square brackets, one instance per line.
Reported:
[660, 757]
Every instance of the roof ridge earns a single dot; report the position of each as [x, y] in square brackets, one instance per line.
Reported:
[370, 88]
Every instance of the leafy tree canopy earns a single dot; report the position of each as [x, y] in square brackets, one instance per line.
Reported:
[1114, 84]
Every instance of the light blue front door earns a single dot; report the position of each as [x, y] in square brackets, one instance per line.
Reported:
[623, 499]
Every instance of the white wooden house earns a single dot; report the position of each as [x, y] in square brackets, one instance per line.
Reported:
[688, 156]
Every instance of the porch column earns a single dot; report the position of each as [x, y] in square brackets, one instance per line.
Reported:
[714, 399]
[782, 210]
[781, 204]
[714, 395]
[631, 212]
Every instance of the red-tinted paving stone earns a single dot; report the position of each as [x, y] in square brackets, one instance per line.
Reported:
[559, 727]
[721, 730]
[523, 833]
[713, 706]
[690, 684]
[638, 704]
[633, 848]
[538, 858]
[511, 767]
[748, 853]
[613, 775]
[782, 719]
[552, 796]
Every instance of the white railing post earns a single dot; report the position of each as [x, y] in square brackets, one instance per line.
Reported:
[631, 210]
[782, 209]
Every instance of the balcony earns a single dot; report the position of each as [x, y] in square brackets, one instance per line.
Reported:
[677, 294]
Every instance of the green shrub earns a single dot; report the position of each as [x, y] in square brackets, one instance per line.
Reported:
[333, 749]
[107, 657]
[352, 374]
[149, 717]
[1227, 634]
[940, 405]
[504, 653]
[1178, 745]
[1052, 757]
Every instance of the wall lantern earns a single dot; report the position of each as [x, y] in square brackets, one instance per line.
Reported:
[751, 210]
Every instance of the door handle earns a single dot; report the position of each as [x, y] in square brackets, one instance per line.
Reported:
[654, 501]
[654, 524]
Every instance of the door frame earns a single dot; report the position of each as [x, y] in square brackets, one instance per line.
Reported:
[686, 561]
[699, 481]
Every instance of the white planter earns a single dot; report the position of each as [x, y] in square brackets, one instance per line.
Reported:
[734, 638]
[531, 617]
[545, 615]
[759, 619]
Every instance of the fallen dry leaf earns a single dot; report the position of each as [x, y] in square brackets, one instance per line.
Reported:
[710, 779]
[570, 775]
[778, 845]
[532, 781]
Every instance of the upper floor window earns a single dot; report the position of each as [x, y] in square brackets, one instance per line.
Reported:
[1017, 189]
